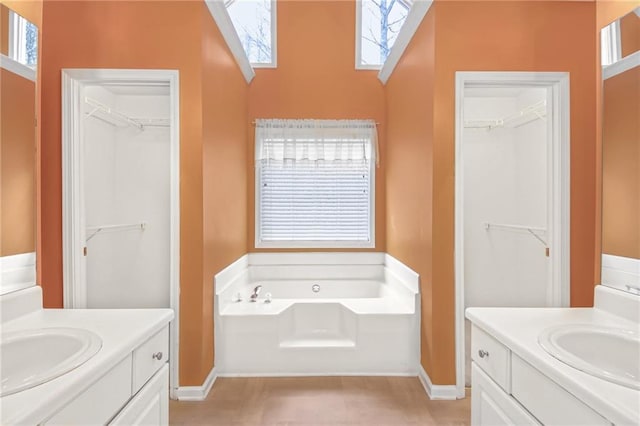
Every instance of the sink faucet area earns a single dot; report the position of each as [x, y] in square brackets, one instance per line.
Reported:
[34, 356]
[559, 365]
[612, 354]
[80, 366]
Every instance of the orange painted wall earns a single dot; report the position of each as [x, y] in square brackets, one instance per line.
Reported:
[4, 30]
[621, 165]
[316, 78]
[608, 11]
[163, 35]
[224, 158]
[483, 36]
[630, 34]
[29, 9]
[410, 119]
[18, 156]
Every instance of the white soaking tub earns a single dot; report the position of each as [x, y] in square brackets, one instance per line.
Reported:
[316, 327]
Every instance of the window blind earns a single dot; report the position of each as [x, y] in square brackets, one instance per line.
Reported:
[314, 182]
[315, 201]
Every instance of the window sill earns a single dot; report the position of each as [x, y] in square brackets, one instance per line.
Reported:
[315, 244]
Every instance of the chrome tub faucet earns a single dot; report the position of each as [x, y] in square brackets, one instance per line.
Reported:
[256, 292]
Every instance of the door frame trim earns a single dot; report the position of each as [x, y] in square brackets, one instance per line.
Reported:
[73, 231]
[559, 232]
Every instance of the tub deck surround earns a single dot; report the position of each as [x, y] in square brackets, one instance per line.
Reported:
[121, 330]
[362, 317]
[519, 328]
[360, 297]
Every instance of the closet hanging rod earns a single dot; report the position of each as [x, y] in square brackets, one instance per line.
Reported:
[99, 106]
[137, 122]
[530, 229]
[94, 230]
[489, 225]
[535, 111]
[153, 122]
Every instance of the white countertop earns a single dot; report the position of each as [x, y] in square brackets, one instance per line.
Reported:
[518, 329]
[121, 331]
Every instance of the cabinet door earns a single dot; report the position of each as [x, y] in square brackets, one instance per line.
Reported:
[150, 406]
[97, 404]
[490, 405]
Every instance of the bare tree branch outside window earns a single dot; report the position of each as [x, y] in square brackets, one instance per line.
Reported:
[252, 20]
[389, 15]
[380, 25]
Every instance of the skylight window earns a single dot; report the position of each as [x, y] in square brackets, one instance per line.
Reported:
[378, 23]
[23, 40]
[255, 23]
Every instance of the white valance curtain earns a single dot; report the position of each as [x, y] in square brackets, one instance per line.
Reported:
[316, 140]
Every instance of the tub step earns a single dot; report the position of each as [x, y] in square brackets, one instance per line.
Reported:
[318, 343]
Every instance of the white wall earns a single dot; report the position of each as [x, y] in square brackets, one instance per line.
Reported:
[505, 182]
[128, 181]
[532, 209]
[99, 195]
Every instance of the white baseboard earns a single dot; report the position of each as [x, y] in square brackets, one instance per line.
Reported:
[197, 393]
[322, 374]
[436, 391]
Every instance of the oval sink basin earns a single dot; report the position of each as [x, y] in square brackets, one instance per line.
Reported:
[32, 357]
[612, 354]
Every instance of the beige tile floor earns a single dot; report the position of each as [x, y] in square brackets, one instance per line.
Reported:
[329, 401]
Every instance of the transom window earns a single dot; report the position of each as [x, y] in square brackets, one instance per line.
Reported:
[255, 23]
[23, 40]
[315, 183]
[378, 23]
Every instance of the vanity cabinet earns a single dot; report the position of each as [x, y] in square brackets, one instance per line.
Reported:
[491, 405]
[150, 406]
[135, 391]
[506, 390]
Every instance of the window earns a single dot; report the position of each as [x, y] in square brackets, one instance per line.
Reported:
[378, 23]
[23, 40]
[610, 44]
[315, 183]
[255, 23]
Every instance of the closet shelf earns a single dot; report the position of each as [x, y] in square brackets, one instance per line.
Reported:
[530, 229]
[116, 118]
[536, 111]
[94, 230]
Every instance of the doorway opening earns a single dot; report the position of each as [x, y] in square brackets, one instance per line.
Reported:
[512, 196]
[121, 201]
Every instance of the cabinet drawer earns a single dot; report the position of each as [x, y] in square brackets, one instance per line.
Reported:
[149, 357]
[547, 401]
[98, 403]
[492, 357]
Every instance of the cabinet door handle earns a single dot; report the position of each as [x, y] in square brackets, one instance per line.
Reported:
[157, 355]
[482, 353]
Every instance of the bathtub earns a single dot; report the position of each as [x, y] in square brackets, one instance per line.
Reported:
[366, 324]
